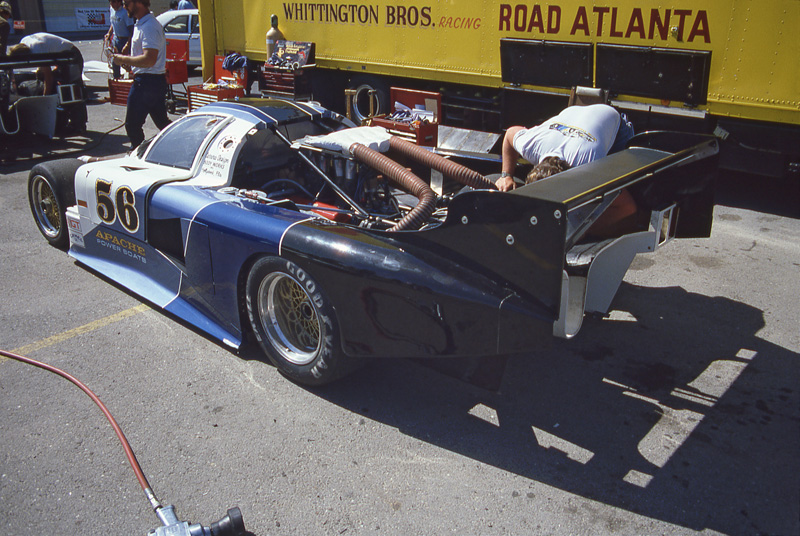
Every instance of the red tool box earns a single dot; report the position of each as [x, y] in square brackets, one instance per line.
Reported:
[422, 133]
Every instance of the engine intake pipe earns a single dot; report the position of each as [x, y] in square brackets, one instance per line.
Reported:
[406, 179]
[448, 168]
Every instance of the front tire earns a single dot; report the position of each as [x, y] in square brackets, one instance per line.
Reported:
[51, 189]
[294, 322]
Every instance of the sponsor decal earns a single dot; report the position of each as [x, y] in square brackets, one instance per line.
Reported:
[89, 18]
[607, 21]
[572, 132]
[75, 231]
[120, 245]
[363, 14]
[654, 24]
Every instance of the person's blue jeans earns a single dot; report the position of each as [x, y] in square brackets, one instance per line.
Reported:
[624, 134]
[148, 96]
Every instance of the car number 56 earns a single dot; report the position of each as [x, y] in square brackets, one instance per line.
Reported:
[124, 208]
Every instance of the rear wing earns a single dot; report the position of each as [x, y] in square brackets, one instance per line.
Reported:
[67, 92]
[660, 169]
[533, 239]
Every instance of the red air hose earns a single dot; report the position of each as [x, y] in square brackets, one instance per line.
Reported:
[125, 445]
[230, 525]
[402, 176]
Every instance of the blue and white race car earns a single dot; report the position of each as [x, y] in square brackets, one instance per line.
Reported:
[281, 220]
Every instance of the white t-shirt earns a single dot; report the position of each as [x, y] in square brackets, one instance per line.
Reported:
[579, 135]
[45, 43]
[148, 33]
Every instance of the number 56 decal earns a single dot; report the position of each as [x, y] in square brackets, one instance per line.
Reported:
[121, 205]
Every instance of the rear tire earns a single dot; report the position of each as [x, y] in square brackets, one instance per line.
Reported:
[294, 322]
[51, 189]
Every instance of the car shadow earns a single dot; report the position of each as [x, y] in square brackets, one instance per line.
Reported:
[771, 195]
[687, 417]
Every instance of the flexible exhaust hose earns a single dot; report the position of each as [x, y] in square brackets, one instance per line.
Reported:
[448, 168]
[407, 180]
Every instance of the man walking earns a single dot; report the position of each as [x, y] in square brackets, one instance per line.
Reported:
[148, 61]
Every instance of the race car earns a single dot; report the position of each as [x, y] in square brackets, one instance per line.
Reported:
[23, 110]
[332, 244]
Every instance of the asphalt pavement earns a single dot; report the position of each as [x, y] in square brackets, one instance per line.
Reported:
[677, 414]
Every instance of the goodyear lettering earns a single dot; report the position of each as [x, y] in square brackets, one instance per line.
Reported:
[604, 21]
[121, 245]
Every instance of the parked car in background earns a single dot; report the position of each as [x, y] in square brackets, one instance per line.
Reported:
[184, 24]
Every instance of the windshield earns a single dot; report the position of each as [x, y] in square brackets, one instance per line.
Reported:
[183, 140]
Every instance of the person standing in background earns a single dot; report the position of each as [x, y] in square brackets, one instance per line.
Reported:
[5, 27]
[148, 60]
[185, 4]
[119, 32]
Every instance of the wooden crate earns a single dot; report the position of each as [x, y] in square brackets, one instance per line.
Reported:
[198, 96]
[118, 91]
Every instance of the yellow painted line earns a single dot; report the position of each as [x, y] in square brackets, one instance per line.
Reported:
[80, 330]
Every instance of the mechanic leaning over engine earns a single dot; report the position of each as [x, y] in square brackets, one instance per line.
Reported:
[578, 135]
[148, 60]
[46, 43]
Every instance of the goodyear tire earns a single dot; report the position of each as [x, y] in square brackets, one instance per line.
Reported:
[294, 322]
[51, 189]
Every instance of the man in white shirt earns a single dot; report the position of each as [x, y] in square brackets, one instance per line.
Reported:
[148, 62]
[578, 135]
[46, 43]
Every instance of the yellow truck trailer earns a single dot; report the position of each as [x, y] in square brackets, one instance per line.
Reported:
[725, 66]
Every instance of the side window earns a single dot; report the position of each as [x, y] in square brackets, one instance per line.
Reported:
[195, 24]
[178, 25]
[261, 152]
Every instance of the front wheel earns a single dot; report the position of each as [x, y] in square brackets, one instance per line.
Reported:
[294, 322]
[50, 191]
